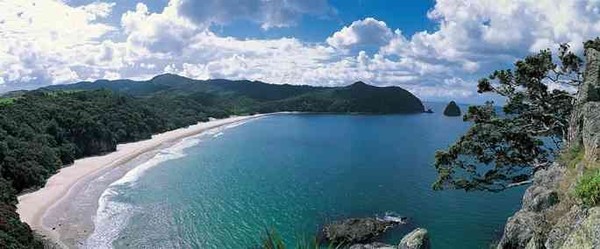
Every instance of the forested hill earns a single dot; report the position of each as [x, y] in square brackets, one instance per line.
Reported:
[256, 96]
[45, 129]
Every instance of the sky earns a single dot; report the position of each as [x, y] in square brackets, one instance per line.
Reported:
[437, 49]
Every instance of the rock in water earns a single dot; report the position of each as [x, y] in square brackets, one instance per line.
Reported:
[417, 239]
[452, 109]
[374, 245]
[356, 230]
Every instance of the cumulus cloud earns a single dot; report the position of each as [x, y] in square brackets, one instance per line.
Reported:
[165, 32]
[366, 32]
[41, 40]
[51, 42]
[478, 33]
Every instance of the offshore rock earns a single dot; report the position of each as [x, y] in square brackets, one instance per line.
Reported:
[374, 245]
[417, 239]
[452, 109]
[356, 230]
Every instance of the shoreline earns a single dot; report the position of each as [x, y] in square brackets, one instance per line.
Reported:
[62, 187]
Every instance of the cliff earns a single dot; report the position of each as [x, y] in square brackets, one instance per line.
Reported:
[560, 209]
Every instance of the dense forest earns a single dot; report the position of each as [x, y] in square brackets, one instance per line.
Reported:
[255, 96]
[45, 129]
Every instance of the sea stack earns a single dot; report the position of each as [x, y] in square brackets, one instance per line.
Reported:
[452, 109]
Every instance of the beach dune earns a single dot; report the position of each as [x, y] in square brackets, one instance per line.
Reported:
[34, 206]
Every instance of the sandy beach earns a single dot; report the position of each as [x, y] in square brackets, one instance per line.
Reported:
[37, 207]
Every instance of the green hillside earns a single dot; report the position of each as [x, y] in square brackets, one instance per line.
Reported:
[45, 129]
[244, 96]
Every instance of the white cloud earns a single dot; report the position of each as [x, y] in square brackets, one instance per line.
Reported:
[51, 42]
[165, 32]
[491, 31]
[366, 32]
[476, 37]
[41, 39]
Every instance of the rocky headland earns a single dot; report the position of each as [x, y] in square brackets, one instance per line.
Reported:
[552, 215]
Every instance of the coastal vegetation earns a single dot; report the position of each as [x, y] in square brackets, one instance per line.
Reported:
[545, 136]
[588, 188]
[272, 240]
[243, 96]
[43, 130]
[504, 150]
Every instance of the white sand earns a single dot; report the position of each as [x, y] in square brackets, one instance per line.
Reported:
[33, 206]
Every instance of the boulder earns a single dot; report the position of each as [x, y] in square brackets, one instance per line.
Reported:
[452, 109]
[417, 239]
[520, 229]
[542, 194]
[538, 198]
[549, 177]
[356, 230]
[374, 245]
[563, 227]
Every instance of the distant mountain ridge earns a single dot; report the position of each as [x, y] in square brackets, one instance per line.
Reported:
[258, 96]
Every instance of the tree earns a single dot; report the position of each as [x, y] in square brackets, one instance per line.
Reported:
[504, 149]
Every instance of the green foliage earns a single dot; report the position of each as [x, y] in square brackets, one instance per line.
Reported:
[6, 101]
[588, 188]
[272, 240]
[502, 150]
[254, 96]
[7, 193]
[14, 233]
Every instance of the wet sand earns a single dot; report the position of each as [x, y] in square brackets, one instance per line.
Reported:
[63, 209]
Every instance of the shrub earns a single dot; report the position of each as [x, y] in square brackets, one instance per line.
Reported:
[272, 240]
[588, 188]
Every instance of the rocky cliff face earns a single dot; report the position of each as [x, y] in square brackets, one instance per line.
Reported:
[585, 122]
[550, 217]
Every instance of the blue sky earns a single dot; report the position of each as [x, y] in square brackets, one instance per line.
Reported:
[409, 16]
[436, 49]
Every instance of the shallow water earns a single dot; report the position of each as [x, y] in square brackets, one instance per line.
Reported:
[292, 173]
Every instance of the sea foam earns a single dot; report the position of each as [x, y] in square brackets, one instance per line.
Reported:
[113, 215]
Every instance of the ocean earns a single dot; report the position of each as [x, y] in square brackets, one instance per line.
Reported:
[292, 174]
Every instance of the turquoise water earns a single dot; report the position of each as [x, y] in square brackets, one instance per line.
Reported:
[293, 173]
